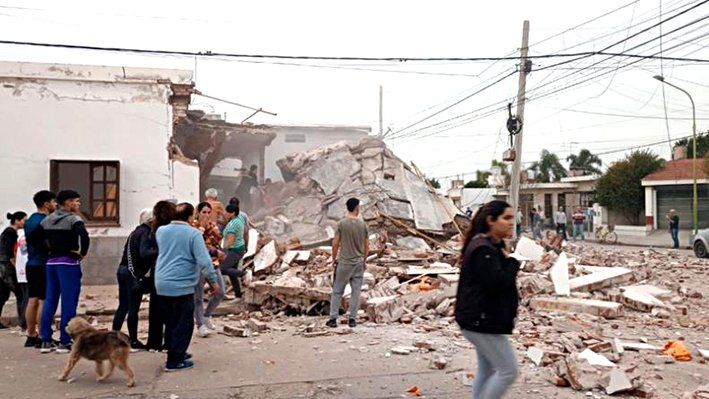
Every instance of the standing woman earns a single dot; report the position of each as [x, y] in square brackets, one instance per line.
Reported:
[8, 274]
[163, 214]
[212, 238]
[487, 299]
[134, 273]
[236, 240]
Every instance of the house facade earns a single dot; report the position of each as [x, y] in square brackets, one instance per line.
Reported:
[672, 188]
[102, 131]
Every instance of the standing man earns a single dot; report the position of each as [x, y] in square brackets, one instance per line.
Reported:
[182, 256]
[247, 187]
[673, 225]
[37, 255]
[518, 221]
[68, 243]
[578, 219]
[560, 220]
[349, 254]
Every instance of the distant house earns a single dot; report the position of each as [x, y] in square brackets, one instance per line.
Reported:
[672, 188]
[293, 139]
[567, 193]
[471, 198]
[105, 132]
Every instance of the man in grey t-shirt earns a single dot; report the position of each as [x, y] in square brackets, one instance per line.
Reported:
[349, 253]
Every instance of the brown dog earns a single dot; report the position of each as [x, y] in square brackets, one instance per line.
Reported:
[98, 346]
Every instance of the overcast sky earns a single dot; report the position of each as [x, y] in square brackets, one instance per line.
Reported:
[346, 93]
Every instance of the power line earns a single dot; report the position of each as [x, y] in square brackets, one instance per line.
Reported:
[209, 53]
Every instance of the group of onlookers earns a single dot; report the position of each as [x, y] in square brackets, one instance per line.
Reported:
[40, 262]
[171, 255]
[174, 252]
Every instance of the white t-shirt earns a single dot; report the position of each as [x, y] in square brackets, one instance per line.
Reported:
[21, 257]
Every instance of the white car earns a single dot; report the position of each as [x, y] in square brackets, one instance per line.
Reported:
[701, 244]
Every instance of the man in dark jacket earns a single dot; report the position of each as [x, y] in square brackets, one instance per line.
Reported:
[68, 243]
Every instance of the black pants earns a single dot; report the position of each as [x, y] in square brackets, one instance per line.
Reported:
[561, 229]
[230, 267]
[179, 322]
[129, 298]
[9, 284]
[156, 321]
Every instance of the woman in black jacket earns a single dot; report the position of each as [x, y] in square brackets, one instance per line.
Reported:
[487, 298]
[134, 273]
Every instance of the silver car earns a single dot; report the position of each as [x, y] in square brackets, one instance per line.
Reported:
[701, 244]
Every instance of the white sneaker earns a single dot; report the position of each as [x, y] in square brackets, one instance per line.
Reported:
[209, 324]
[203, 331]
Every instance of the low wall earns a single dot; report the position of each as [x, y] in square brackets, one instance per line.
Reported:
[100, 265]
[635, 231]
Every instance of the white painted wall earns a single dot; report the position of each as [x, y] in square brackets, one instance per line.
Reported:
[315, 136]
[66, 112]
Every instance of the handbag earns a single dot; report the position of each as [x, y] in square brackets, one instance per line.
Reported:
[140, 283]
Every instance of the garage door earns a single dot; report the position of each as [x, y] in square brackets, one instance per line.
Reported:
[679, 198]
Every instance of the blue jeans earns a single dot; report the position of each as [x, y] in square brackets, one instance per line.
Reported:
[200, 313]
[578, 230]
[675, 238]
[62, 281]
[497, 364]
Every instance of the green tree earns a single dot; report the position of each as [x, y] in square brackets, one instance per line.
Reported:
[702, 145]
[619, 189]
[548, 168]
[434, 183]
[585, 161]
[480, 180]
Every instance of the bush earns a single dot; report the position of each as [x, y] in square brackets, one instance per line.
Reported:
[619, 189]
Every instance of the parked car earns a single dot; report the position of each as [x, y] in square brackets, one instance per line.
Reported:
[701, 244]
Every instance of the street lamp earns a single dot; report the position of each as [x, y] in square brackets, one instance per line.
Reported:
[695, 213]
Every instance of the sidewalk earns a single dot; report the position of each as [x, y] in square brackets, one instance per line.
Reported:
[656, 239]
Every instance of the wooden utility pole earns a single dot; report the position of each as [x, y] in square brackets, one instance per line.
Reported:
[381, 111]
[517, 165]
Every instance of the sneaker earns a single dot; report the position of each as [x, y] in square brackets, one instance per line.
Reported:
[179, 366]
[188, 356]
[203, 331]
[209, 324]
[137, 346]
[32, 342]
[64, 348]
[352, 323]
[47, 347]
[331, 323]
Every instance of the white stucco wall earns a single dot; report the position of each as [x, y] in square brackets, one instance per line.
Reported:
[51, 112]
[315, 136]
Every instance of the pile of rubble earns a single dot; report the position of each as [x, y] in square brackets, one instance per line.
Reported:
[587, 314]
[319, 182]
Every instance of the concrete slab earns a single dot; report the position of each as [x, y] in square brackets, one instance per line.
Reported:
[608, 310]
[606, 277]
[331, 170]
[559, 273]
[266, 257]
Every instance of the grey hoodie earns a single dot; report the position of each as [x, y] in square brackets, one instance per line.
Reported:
[65, 234]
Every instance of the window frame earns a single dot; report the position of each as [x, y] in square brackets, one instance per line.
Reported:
[91, 200]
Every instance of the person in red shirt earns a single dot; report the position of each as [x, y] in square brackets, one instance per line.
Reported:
[578, 218]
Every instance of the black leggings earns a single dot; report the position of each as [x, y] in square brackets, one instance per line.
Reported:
[129, 298]
[230, 267]
[9, 284]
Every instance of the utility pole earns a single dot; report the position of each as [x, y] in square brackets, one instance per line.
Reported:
[517, 165]
[381, 111]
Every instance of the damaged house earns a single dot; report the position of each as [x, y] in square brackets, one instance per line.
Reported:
[105, 132]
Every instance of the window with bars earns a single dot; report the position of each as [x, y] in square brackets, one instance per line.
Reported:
[98, 182]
